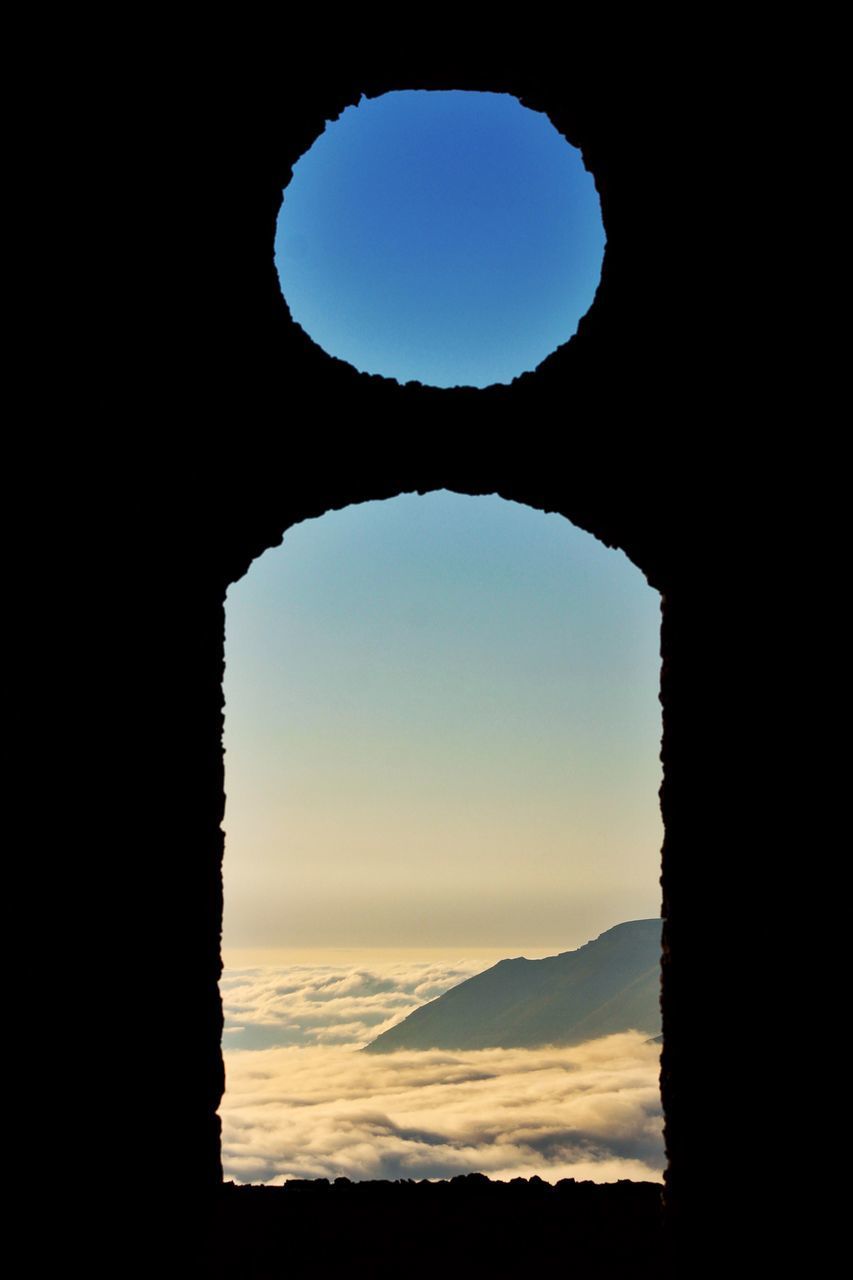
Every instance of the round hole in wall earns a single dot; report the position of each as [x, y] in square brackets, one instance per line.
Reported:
[447, 237]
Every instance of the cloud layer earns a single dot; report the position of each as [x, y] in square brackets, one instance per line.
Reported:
[328, 1004]
[315, 1107]
[592, 1111]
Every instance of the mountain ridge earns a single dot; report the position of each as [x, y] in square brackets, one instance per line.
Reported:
[609, 984]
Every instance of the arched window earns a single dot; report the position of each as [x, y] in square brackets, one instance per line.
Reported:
[442, 741]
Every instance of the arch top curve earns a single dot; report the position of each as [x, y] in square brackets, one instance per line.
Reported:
[255, 529]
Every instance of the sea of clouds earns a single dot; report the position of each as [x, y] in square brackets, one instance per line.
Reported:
[301, 1101]
[329, 1004]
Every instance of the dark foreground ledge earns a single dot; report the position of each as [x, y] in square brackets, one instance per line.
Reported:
[467, 1227]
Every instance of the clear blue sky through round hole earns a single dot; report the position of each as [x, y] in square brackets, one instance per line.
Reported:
[450, 238]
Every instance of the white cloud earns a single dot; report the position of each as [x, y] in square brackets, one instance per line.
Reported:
[301, 1102]
[591, 1111]
[319, 1004]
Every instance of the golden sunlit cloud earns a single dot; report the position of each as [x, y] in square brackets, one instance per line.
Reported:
[323, 1004]
[588, 1112]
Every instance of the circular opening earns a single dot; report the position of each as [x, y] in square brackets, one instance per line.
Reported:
[451, 238]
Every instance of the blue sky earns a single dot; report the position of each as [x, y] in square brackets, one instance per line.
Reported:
[453, 238]
[442, 729]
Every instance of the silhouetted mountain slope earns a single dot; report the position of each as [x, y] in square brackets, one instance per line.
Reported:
[611, 984]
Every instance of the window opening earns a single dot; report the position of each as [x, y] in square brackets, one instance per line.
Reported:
[442, 752]
[445, 237]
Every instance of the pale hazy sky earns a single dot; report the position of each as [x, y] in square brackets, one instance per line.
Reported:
[442, 730]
